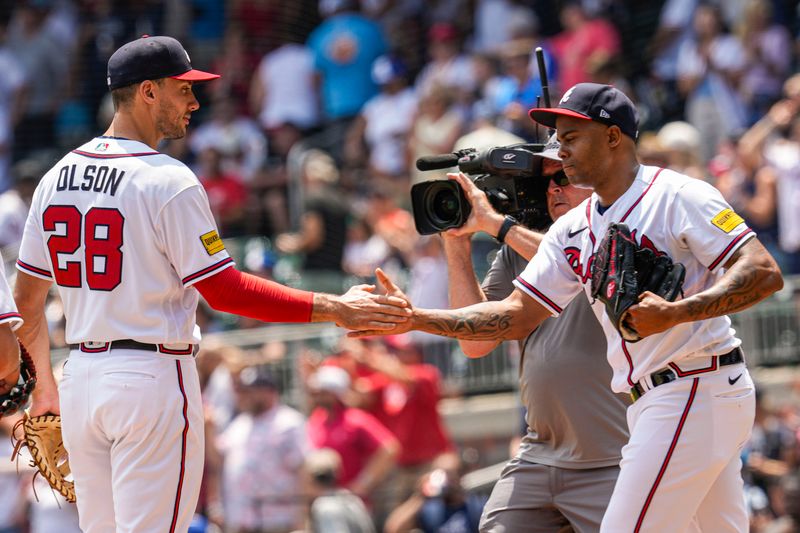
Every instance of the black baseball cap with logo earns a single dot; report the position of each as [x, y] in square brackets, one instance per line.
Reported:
[152, 58]
[593, 101]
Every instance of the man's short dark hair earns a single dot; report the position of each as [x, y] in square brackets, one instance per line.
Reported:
[124, 95]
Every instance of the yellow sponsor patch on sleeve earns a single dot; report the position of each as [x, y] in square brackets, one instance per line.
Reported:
[212, 242]
[726, 220]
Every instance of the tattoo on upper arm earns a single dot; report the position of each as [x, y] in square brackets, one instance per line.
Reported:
[471, 325]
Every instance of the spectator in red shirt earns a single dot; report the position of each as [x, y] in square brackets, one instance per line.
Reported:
[583, 43]
[368, 450]
[227, 195]
[403, 393]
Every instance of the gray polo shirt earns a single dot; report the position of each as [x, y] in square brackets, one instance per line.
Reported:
[574, 419]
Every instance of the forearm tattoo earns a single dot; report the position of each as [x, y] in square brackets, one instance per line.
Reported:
[743, 286]
[469, 325]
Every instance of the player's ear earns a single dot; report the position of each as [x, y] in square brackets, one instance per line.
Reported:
[614, 136]
[147, 90]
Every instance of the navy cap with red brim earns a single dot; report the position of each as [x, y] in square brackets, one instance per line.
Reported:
[596, 102]
[196, 75]
[548, 115]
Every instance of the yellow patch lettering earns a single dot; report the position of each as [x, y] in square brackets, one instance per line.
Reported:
[212, 242]
[726, 220]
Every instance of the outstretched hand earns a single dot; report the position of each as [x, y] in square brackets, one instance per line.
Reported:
[364, 310]
[394, 293]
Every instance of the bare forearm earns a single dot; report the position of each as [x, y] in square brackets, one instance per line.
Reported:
[404, 518]
[9, 356]
[375, 470]
[486, 321]
[34, 336]
[749, 279]
[524, 241]
[464, 290]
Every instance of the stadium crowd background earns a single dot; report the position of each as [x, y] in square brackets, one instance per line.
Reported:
[306, 148]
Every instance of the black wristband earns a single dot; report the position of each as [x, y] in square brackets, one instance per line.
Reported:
[508, 223]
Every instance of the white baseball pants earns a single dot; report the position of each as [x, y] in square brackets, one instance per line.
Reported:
[680, 471]
[132, 423]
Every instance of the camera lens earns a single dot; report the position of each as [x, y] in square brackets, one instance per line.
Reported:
[444, 205]
[438, 205]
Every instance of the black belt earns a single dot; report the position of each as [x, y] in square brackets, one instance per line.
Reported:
[667, 375]
[130, 344]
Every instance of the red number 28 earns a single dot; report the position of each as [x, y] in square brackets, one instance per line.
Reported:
[102, 242]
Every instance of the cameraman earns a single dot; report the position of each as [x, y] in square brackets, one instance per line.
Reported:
[565, 469]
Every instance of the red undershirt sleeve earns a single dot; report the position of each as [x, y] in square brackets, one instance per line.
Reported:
[243, 294]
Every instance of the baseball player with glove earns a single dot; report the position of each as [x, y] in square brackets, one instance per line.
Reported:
[126, 234]
[694, 398]
[578, 447]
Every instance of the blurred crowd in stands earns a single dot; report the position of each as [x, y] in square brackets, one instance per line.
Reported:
[306, 147]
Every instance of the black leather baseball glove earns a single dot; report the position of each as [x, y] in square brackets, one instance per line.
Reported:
[622, 270]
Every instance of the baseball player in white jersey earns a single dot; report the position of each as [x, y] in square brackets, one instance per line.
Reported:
[127, 235]
[695, 400]
[10, 319]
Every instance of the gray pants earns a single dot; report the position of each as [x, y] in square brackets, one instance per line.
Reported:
[537, 498]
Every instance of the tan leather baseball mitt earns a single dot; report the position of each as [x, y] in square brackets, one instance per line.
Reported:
[43, 439]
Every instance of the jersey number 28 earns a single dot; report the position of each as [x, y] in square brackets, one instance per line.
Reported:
[101, 232]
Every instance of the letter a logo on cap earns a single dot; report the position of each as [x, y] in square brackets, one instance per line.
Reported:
[566, 96]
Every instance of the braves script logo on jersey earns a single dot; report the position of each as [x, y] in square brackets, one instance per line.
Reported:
[573, 255]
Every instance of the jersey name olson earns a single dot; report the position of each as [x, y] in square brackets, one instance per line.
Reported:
[97, 178]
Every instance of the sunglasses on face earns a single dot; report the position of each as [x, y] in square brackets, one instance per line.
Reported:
[560, 178]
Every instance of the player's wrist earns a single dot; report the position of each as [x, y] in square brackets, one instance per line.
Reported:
[326, 307]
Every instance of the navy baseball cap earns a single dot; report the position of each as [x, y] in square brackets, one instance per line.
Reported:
[593, 101]
[152, 58]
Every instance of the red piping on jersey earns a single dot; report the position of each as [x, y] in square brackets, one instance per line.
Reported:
[538, 293]
[683, 374]
[35, 270]
[243, 294]
[113, 156]
[728, 248]
[192, 277]
[672, 445]
[628, 212]
[177, 505]
[9, 316]
[630, 362]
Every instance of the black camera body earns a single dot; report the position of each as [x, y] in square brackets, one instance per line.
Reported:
[507, 174]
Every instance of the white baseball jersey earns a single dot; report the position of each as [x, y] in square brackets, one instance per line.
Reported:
[8, 309]
[670, 213]
[123, 231]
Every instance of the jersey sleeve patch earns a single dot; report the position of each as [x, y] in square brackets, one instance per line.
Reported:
[727, 220]
[212, 242]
